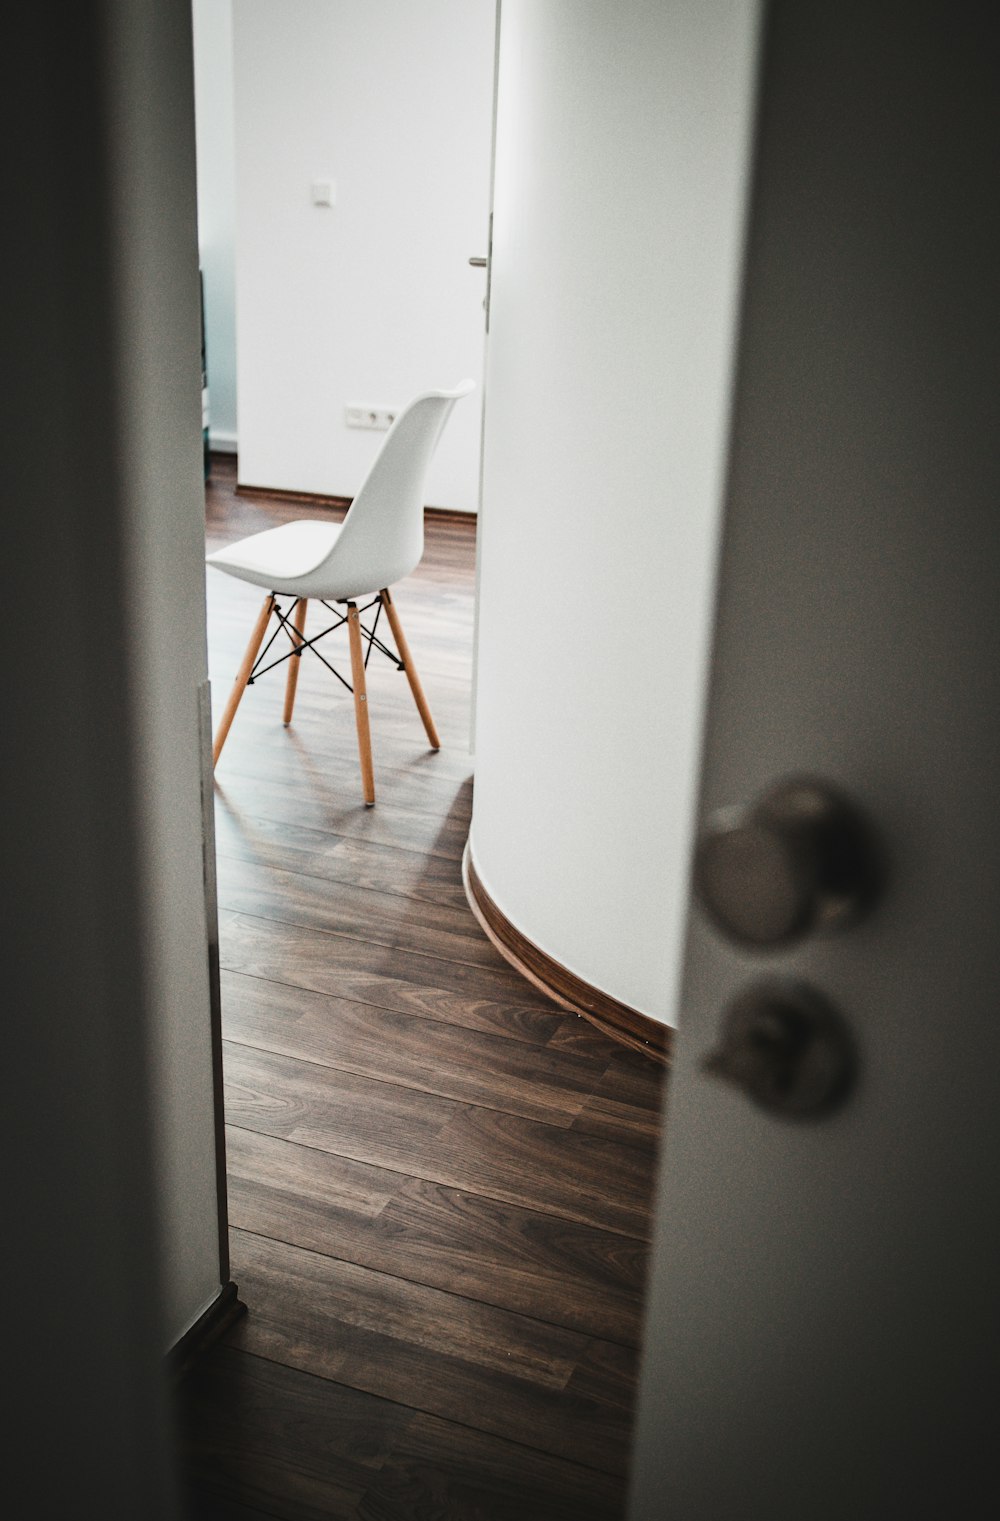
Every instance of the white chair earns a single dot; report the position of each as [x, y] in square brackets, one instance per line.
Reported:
[380, 540]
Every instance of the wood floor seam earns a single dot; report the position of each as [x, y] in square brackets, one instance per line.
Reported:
[362, 825]
[412, 806]
[227, 853]
[495, 1198]
[314, 929]
[416, 1410]
[237, 971]
[343, 934]
[357, 1071]
[555, 1325]
[423, 1410]
[539, 1063]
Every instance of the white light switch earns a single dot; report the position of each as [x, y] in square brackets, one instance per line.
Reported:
[324, 192]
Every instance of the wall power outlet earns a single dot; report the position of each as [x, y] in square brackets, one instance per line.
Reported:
[363, 416]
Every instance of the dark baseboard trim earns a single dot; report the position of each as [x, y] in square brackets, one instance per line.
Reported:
[617, 1020]
[316, 499]
[451, 515]
[223, 1312]
[308, 498]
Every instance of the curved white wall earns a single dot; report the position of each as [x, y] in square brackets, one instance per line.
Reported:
[621, 159]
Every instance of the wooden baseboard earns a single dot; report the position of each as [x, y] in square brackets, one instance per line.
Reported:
[451, 515]
[223, 1312]
[309, 498]
[615, 1019]
[317, 499]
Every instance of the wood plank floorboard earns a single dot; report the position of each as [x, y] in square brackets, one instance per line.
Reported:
[426, 1349]
[357, 864]
[310, 1450]
[323, 751]
[406, 778]
[386, 919]
[266, 1435]
[388, 979]
[619, 1106]
[439, 1181]
[555, 1270]
[438, 1470]
[502, 1156]
[342, 814]
[452, 1061]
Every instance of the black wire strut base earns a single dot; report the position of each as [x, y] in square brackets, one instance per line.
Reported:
[299, 644]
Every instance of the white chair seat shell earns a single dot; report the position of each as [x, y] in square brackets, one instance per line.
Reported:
[282, 559]
[381, 539]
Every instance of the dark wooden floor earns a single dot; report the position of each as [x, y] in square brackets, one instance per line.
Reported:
[439, 1182]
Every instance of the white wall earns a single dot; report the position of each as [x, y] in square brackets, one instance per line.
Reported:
[621, 157]
[370, 300]
[213, 99]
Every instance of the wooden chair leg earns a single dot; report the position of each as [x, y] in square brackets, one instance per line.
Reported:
[242, 677]
[361, 704]
[295, 661]
[409, 667]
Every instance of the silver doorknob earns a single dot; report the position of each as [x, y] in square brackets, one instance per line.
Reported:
[787, 1049]
[478, 262]
[800, 858]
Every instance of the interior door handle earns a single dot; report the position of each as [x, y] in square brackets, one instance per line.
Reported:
[787, 1049]
[799, 858]
[477, 262]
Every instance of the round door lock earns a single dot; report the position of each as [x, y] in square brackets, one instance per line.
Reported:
[787, 1049]
[800, 858]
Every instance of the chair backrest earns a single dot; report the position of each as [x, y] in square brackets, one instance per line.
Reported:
[382, 538]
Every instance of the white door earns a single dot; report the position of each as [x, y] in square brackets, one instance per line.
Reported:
[821, 1336]
[484, 261]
